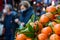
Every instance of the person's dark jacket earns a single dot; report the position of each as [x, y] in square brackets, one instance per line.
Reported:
[26, 15]
[9, 23]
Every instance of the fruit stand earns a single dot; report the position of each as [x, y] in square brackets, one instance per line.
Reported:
[46, 28]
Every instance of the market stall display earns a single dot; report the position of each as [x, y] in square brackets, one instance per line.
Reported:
[46, 28]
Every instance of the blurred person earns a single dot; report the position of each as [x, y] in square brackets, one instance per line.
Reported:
[9, 22]
[43, 11]
[38, 14]
[26, 11]
[56, 2]
[47, 2]
[39, 5]
[16, 5]
[13, 11]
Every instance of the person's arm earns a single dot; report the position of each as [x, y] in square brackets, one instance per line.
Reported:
[15, 22]
[15, 18]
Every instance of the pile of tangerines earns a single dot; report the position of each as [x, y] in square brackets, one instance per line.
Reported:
[48, 25]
